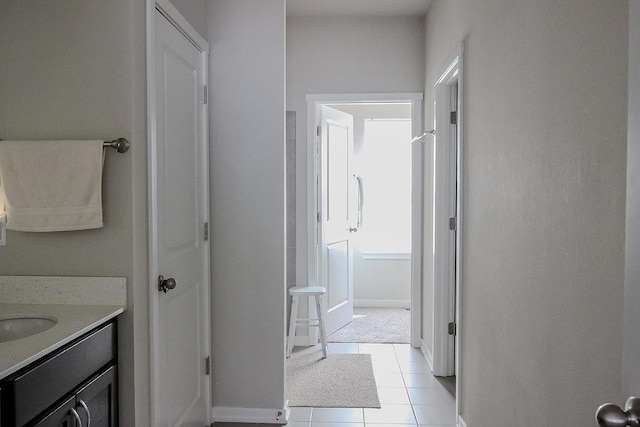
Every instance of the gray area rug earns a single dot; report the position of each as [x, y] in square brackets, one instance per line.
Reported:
[339, 381]
[375, 325]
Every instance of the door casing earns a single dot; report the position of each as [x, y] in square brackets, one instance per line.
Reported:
[314, 103]
[448, 260]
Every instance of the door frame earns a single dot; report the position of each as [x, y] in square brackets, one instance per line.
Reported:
[447, 300]
[314, 102]
[179, 21]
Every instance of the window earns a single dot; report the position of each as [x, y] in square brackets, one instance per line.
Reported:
[385, 167]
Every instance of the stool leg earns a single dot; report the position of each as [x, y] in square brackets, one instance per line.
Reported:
[323, 335]
[292, 324]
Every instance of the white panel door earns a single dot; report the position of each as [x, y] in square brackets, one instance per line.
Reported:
[338, 214]
[180, 208]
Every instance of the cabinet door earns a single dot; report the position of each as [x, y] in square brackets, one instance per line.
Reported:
[62, 416]
[99, 397]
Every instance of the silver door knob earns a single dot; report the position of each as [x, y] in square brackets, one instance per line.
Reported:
[166, 284]
[353, 229]
[610, 415]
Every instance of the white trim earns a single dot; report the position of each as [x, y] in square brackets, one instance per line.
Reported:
[182, 25]
[445, 204]
[461, 422]
[459, 234]
[386, 256]
[229, 414]
[382, 303]
[314, 101]
[365, 98]
[427, 355]
[175, 17]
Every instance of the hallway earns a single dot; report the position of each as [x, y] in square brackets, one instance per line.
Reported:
[409, 394]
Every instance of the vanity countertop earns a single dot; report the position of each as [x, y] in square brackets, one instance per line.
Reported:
[73, 321]
[79, 304]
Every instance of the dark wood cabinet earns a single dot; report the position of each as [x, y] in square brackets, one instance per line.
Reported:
[74, 386]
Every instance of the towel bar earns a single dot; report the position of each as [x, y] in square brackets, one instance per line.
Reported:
[120, 144]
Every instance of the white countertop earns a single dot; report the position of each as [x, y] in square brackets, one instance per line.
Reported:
[73, 321]
[78, 304]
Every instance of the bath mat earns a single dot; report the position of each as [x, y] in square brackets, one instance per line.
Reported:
[339, 381]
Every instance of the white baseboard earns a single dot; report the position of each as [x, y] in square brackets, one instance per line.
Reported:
[427, 355]
[382, 303]
[251, 415]
[301, 341]
[461, 422]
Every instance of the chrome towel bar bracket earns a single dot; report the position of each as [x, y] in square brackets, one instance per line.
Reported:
[120, 144]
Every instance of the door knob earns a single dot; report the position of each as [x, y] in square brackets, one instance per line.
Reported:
[610, 415]
[165, 284]
[353, 229]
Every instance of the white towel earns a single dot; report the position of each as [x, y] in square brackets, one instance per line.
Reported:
[51, 185]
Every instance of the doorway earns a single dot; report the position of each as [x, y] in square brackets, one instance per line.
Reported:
[447, 221]
[374, 257]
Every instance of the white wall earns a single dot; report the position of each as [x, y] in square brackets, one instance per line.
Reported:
[345, 55]
[544, 204]
[247, 118]
[376, 281]
[631, 373]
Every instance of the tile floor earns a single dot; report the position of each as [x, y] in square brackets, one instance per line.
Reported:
[409, 394]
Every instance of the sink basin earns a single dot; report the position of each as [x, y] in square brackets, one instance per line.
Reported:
[21, 326]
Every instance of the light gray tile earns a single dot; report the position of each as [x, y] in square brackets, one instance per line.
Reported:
[337, 424]
[406, 353]
[389, 380]
[435, 415]
[420, 380]
[393, 395]
[337, 415]
[414, 367]
[430, 396]
[342, 348]
[390, 414]
[300, 414]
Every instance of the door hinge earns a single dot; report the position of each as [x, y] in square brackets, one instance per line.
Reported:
[318, 216]
[206, 231]
[451, 328]
[205, 95]
[207, 365]
[454, 118]
[318, 130]
[453, 226]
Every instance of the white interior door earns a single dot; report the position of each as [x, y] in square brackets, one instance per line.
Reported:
[179, 182]
[338, 215]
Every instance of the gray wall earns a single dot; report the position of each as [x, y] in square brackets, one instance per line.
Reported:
[631, 378]
[544, 204]
[247, 116]
[76, 69]
[195, 11]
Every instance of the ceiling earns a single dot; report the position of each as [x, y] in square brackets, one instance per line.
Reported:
[357, 7]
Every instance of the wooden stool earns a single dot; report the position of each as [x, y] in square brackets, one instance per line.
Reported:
[306, 291]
